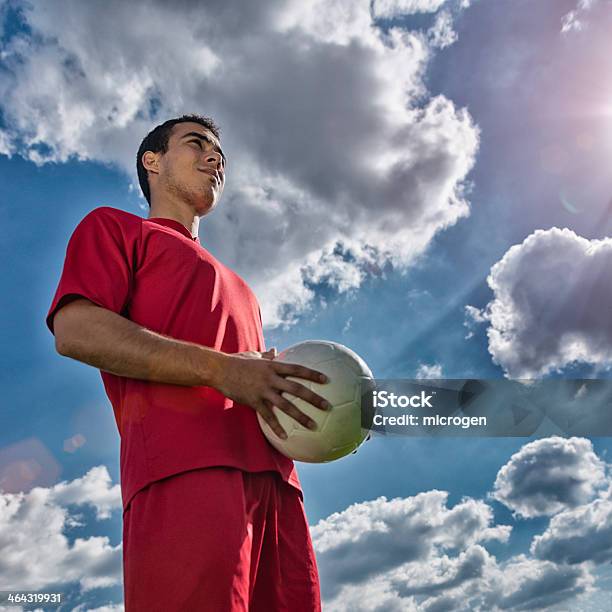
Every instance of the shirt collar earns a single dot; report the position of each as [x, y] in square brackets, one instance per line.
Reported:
[174, 224]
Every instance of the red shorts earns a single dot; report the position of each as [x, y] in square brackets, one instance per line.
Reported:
[218, 539]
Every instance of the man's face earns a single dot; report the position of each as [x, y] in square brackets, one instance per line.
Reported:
[193, 167]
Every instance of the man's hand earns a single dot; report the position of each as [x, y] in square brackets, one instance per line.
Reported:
[255, 379]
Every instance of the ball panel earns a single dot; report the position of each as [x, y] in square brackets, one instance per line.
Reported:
[307, 353]
[342, 381]
[316, 414]
[353, 360]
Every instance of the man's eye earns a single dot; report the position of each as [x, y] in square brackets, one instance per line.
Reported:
[197, 142]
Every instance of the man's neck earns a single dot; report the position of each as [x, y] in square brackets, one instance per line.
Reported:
[184, 216]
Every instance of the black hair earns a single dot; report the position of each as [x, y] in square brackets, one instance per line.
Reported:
[157, 141]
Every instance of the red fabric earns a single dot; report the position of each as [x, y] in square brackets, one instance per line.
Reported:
[219, 540]
[155, 273]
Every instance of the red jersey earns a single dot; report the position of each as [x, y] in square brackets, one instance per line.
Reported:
[153, 272]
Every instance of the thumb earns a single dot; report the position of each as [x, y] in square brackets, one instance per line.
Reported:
[270, 353]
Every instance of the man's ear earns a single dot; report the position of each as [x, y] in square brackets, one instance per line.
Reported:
[150, 161]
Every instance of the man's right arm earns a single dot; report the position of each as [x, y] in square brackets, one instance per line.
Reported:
[103, 339]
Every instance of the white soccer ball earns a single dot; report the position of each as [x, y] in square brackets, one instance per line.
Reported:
[340, 429]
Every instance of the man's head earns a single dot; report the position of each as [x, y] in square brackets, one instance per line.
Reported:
[180, 159]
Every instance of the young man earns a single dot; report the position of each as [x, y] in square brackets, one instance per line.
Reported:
[213, 515]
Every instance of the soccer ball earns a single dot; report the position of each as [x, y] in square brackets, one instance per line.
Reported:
[340, 429]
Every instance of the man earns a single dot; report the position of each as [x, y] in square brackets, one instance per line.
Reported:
[213, 515]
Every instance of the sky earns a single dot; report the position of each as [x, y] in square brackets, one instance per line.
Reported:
[424, 181]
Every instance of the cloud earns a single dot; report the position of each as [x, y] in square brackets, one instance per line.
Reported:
[548, 476]
[419, 555]
[373, 537]
[529, 584]
[388, 9]
[578, 535]
[94, 489]
[339, 159]
[574, 20]
[394, 555]
[35, 550]
[376, 596]
[472, 317]
[410, 554]
[431, 371]
[474, 314]
[108, 608]
[442, 573]
[347, 325]
[546, 313]
[442, 34]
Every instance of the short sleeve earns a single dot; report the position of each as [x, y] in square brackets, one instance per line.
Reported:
[98, 263]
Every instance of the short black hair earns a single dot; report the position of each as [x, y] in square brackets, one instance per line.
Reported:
[157, 141]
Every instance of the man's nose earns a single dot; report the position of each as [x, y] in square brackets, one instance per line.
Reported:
[216, 158]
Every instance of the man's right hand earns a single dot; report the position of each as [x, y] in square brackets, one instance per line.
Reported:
[256, 380]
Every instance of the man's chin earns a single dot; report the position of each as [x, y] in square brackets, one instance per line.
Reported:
[207, 207]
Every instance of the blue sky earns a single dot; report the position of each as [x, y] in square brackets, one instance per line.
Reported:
[390, 164]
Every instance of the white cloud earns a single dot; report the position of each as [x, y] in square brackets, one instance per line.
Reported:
[412, 554]
[473, 317]
[574, 20]
[35, 550]
[431, 371]
[388, 9]
[442, 573]
[373, 537]
[377, 596]
[415, 554]
[94, 489]
[529, 584]
[6, 147]
[331, 135]
[548, 476]
[578, 535]
[474, 314]
[442, 34]
[546, 313]
[108, 608]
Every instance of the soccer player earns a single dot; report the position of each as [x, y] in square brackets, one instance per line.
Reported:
[213, 515]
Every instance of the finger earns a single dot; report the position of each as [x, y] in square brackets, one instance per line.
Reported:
[268, 415]
[288, 408]
[299, 371]
[295, 388]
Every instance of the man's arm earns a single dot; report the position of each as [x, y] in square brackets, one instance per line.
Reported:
[103, 339]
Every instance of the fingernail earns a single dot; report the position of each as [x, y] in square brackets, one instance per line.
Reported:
[312, 425]
[283, 435]
[326, 405]
[323, 378]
